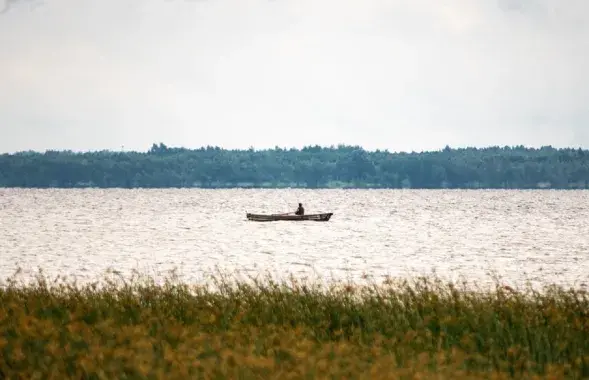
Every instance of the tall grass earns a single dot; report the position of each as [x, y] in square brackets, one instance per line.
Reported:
[280, 330]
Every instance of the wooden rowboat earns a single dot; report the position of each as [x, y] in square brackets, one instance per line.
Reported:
[276, 217]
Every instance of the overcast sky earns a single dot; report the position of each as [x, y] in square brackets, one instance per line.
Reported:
[389, 74]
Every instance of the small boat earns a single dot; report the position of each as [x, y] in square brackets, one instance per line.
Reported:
[276, 217]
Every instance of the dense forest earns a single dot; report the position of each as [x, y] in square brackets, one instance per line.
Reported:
[311, 167]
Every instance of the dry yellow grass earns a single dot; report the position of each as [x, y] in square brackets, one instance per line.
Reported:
[267, 330]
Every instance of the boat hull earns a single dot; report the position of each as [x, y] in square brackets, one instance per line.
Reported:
[277, 217]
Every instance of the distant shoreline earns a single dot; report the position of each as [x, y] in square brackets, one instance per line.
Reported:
[288, 188]
[314, 167]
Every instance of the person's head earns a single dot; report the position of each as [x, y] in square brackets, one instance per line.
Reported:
[300, 204]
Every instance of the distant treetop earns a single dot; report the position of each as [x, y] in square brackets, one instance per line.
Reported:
[341, 166]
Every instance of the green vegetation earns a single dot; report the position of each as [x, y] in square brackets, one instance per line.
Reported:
[265, 329]
[312, 167]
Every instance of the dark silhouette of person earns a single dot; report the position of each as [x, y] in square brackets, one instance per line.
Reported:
[300, 210]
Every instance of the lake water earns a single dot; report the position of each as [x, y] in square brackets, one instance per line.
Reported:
[537, 236]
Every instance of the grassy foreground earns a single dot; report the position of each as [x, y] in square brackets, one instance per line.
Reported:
[288, 330]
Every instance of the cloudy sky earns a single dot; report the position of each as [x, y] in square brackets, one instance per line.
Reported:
[389, 74]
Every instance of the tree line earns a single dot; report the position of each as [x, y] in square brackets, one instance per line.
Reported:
[343, 166]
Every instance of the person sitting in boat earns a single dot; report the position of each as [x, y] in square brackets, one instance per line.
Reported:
[300, 210]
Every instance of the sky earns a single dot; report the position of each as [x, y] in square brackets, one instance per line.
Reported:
[402, 75]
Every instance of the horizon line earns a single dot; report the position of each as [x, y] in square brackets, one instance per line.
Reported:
[299, 149]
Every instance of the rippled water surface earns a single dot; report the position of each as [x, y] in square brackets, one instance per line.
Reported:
[538, 236]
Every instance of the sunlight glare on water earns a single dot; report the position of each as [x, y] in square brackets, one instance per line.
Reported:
[537, 236]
